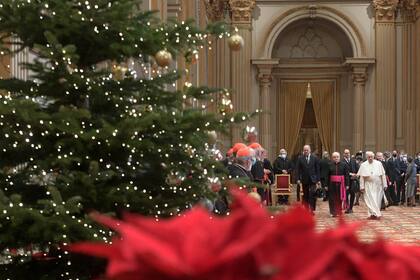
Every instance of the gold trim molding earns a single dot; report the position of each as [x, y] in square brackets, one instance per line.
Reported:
[410, 10]
[241, 10]
[215, 9]
[385, 10]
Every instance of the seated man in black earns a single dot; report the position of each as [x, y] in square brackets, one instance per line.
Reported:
[239, 169]
[283, 165]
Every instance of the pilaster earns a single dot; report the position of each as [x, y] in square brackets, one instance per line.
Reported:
[241, 18]
[385, 11]
[265, 78]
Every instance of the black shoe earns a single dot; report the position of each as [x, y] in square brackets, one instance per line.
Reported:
[356, 204]
[348, 211]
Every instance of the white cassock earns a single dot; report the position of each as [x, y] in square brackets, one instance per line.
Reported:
[373, 181]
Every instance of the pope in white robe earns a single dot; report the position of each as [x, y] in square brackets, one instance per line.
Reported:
[372, 183]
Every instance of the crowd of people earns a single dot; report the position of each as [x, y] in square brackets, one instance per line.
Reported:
[382, 179]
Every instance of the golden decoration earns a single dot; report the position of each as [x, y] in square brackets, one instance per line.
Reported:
[163, 58]
[236, 42]
[118, 72]
[225, 105]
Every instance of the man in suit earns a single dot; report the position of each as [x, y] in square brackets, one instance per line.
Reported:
[308, 174]
[392, 172]
[402, 161]
[386, 200]
[353, 186]
[417, 162]
[396, 164]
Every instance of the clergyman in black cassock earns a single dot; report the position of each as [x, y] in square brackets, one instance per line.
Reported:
[337, 190]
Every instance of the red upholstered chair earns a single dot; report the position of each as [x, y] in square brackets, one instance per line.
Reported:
[282, 186]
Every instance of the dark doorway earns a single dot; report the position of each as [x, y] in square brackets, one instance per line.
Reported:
[308, 133]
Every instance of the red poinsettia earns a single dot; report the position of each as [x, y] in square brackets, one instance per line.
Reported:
[248, 244]
[193, 246]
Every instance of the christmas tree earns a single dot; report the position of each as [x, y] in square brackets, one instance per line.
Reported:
[93, 130]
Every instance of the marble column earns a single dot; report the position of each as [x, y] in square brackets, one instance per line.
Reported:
[183, 10]
[417, 63]
[161, 6]
[408, 15]
[385, 73]
[359, 80]
[241, 11]
[218, 70]
[264, 78]
[218, 59]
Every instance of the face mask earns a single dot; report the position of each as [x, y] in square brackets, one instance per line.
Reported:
[249, 165]
[254, 160]
[283, 156]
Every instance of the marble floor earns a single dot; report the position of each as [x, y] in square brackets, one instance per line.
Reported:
[400, 224]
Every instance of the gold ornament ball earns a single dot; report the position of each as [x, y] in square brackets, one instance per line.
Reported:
[236, 42]
[173, 180]
[212, 137]
[118, 72]
[163, 58]
[226, 105]
[255, 195]
[190, 151]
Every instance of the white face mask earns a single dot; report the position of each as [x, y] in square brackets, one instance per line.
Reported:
[283, 156]
[249, 165]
